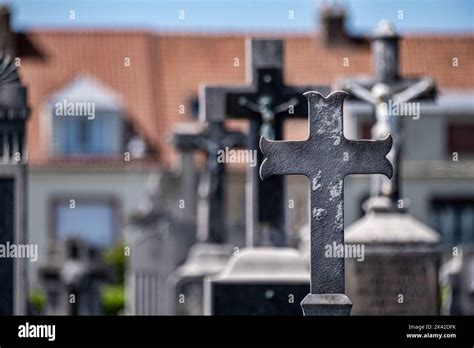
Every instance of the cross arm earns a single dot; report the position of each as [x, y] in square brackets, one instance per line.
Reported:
[283, 157]
[213, 100]
[368, 157]
[414, 91]
[235, 139]
[358, 91]
[184, 141]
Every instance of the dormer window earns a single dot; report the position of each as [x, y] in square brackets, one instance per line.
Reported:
[87, 119]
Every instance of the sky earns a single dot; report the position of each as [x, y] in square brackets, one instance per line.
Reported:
[448, 16]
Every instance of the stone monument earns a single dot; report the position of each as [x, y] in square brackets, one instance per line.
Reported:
[13, 186]
[210, 254]
[399, 274]
[252, 282]
[159, 243]
[72, 276]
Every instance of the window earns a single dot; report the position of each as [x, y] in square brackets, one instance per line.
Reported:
[365, 130]
[461, 139]
[194, 103]
[77, 135]
[86, 119]
[94, 222]
[454, 219]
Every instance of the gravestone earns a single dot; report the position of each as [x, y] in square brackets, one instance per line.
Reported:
[266, 102]
[158, 243]
[261, 281]
[450, 283]
[466, 281]
[326, 157]
[385, 91]
[72, 276]
[457, 281]
[399, 274]
[399, 271]
[155, 254]
[13, 186]
[209, 255]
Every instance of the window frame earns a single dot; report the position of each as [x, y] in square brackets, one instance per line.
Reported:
[82, 198]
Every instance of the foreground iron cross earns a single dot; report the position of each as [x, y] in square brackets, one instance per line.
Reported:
[326, 157]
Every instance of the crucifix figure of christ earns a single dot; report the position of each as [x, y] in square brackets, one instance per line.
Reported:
[387, 92]
[211, 207]
[326, 157]
[266, 102]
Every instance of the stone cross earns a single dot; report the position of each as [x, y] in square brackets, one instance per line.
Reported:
[211, 207]
[387, 91]
[326, 157]
[74, 271]
[266, 102]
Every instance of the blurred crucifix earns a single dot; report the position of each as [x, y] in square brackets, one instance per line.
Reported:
[387, 92]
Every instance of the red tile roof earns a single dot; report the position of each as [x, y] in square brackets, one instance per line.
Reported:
[166, 70]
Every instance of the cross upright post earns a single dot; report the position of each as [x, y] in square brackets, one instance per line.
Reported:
[266, 102]
[211, 207]
[326, 157]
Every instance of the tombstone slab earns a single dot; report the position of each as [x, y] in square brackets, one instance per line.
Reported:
[154, 255]
[204, 259]
[210, 254]
[399, 272]
[259, 281]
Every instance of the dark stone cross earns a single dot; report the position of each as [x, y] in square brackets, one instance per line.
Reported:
[75, 271]
[211, 139]
[14, 114]
[385, 91]
[266, 102]
[326, 157]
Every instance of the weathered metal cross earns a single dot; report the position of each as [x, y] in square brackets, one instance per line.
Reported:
[211, 207]
[266, 102]
[326, 157]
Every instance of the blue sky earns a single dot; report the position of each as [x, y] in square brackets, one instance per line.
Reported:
[241, 15]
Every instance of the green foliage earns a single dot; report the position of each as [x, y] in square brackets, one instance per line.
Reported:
[115, 258]
[113, 295]
[112, 299]
[444, 294]
[37, 299]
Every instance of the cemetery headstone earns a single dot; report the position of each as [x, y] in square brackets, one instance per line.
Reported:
[158, 245]
[326, 157]
[388, 92]
[72, 277]
[399, 272]
[457, 282]
[13, 189]
[261, 281]
[266, 102]
[467, 281]
[210, 255]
